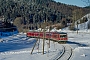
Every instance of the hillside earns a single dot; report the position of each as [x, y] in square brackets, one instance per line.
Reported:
[67, 9]
[85, 25]
[31, 14]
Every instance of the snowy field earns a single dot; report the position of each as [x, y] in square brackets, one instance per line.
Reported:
[19, 47]
[81, 45]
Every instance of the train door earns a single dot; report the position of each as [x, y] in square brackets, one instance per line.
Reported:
[55, 36]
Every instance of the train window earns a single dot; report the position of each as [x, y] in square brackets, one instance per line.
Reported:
[48, 34]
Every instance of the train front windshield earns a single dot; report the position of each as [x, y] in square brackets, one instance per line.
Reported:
[63, 35]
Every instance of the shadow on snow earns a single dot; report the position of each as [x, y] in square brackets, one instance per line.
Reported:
[16, 45]
[79, 44]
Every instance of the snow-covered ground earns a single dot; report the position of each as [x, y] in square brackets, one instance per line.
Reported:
[18, 47]
[81, 45]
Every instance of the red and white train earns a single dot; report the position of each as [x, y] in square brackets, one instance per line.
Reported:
[56, 36]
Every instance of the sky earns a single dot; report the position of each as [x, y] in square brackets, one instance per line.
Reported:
[73, 2]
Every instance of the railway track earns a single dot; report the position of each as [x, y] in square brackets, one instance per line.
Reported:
[66, 54]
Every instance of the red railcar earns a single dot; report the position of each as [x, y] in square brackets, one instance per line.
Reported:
[56, 36]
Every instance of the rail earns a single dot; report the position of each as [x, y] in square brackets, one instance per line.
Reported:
[66, 54]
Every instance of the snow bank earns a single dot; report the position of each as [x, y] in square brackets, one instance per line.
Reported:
[18, 52]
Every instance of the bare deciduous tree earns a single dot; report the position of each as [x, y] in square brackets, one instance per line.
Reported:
[87, 2]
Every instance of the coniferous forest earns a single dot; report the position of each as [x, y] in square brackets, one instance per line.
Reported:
[32, 14]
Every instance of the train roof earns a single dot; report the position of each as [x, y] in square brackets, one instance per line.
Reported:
[48, 32]
[62, 32]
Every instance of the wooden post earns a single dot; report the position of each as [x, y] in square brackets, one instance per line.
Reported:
[43, 40]
[34, 46]
[77, 27]
[49, 35]
[38, 45]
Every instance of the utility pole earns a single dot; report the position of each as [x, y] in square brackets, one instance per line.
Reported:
[49, 36]
[77, 27]
[44, 35]
[43, 40]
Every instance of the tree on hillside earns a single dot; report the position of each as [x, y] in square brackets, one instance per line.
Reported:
[76, 15]
[17, 22]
